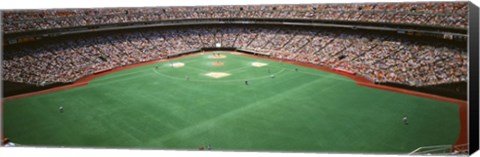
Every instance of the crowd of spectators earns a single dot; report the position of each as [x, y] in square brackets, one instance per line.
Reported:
[377, 57]
[442, 14]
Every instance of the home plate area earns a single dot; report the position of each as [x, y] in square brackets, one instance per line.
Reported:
[217, 74]
[178, 64]
[259, 64]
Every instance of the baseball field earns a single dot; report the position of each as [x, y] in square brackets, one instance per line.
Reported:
[233, 103]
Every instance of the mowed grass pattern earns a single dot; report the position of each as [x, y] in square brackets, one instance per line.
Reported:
[180, 108]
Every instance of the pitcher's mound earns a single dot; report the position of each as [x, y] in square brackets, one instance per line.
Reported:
[217, 74]
[217, 56]
[258, 64]
[178, 64]
[218, 63]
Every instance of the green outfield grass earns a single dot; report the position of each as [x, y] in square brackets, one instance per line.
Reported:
[181, 108]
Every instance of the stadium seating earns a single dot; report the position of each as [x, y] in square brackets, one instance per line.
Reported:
[439, 14]
[378, 57]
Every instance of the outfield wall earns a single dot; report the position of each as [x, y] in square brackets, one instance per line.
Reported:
[453, 90]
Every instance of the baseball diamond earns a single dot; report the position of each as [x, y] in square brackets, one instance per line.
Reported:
[308, 110]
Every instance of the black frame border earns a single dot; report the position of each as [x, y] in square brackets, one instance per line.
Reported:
[473, 86]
